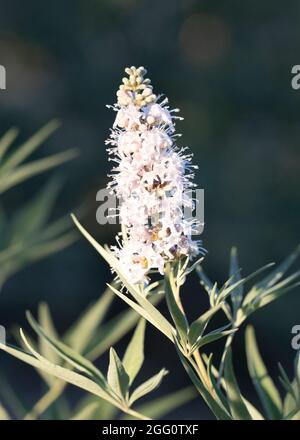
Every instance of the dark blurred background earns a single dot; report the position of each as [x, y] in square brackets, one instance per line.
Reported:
[227, 66]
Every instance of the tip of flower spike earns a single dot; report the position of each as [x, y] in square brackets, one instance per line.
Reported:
[135, 89]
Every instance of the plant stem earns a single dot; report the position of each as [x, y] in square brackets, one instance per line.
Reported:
[197, 356]
[202, 370]
[136, 414]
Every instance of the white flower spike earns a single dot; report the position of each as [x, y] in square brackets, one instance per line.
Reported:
[151, 180]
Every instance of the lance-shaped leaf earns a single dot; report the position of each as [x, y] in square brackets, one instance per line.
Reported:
[144, 313]
[160, 321]
[62, 373]
[117, 377]
[291, 406]
[184, 270]
[31, 218]
[198, 326]
[148, 386]
[236, 294]
[7, 140]
[238, 408]
[266, 299]
[204, 280]
[279, 271]
[159, 407]
[3, 413]
[134, 354]
[113, 330]
[46, 323]
[212, 336]
[263, 383]
[269, 289]
[230, 287]
[214, 375]
[213, 403]
[217, 390]
[26, 149]
[94, 345]
[67, 353]
[31, 169]
[171, 291]
[287, 385]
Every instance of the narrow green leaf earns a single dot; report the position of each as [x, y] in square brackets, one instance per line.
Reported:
[186, 271]
[46, 323]
[291, 405]
[30, 219]
[225, 291]
[117, 377]
[198, 326]
[75, 359]
[62, 373]
[134, 354]
[31, 169]
[45, 320]
[144, 313]
[171, 291]
[148, 386]
[6, 141]
[29, 146]
[285, 380]
[254, 413]
[237, 294]
[265, 300]
[263, 383]
[213, 336]
[216, 407]
[286, 283]
[279, 271]
[238, 408]
[161, 322]
[3, 413]
[158, 408]
[204, 280]
[214, 374]
[42, 250]
[218, 392]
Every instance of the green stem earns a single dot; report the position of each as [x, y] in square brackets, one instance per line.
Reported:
[136, 414]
